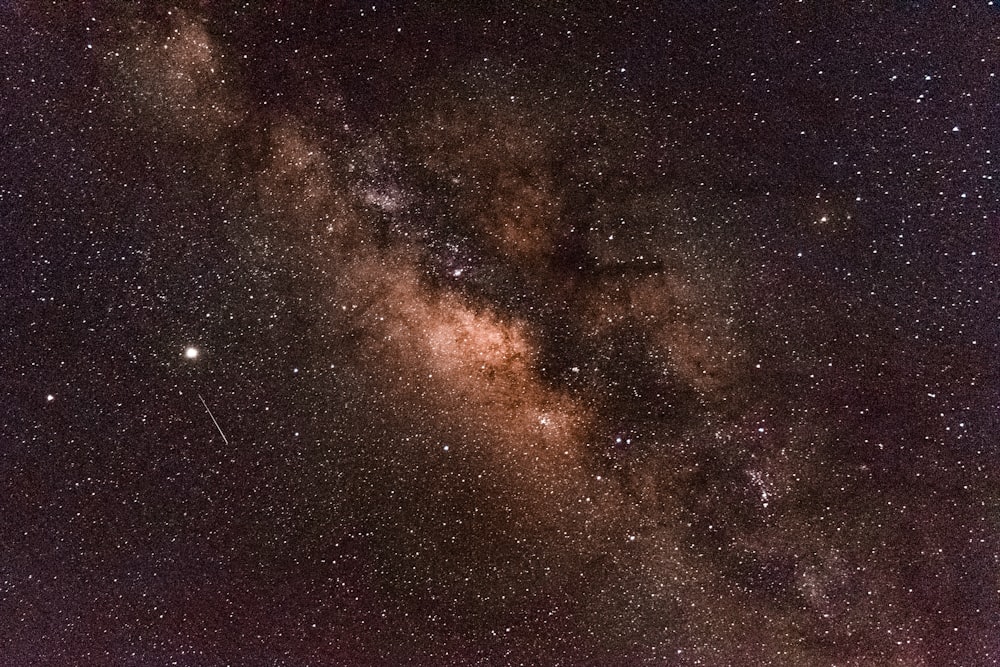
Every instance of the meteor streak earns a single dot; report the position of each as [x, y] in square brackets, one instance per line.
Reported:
[214, 421]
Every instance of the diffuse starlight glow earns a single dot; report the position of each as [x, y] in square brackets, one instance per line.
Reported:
[502, 344]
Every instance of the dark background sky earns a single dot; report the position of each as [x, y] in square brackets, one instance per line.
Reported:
[542, 333]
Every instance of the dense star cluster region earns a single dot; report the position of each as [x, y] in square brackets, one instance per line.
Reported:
[538, 333]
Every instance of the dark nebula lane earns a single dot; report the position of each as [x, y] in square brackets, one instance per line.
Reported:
[558, 334]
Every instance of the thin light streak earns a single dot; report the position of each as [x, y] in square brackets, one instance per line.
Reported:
[214, 421]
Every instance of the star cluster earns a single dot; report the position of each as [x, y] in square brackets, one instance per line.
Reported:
[557, 334]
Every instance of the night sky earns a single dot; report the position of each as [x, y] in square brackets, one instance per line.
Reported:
[540, 333]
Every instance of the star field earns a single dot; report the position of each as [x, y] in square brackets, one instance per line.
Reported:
[500, 334]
